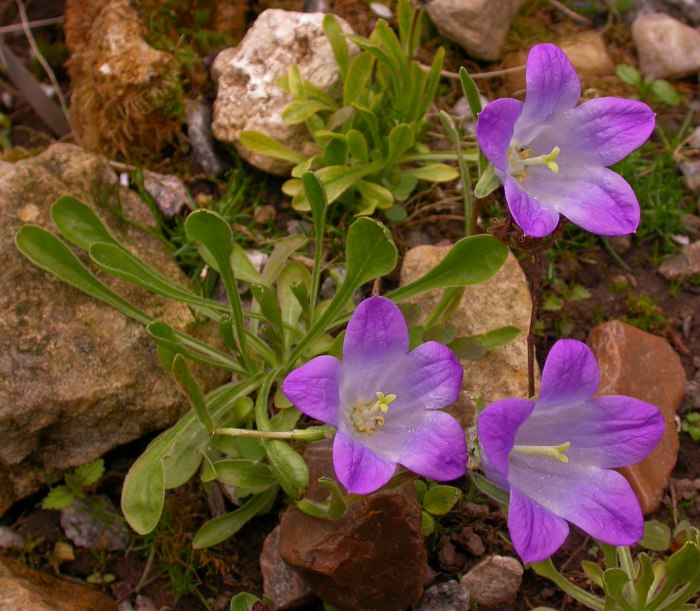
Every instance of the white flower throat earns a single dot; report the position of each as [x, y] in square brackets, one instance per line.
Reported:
[368, 417]
[520, 159]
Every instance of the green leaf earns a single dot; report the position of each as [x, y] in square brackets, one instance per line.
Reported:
[434, 172]
[58, 498]
[213, 237]
[291, 278]
[299, 111]
[357, 146]
[243, 473]
[284, 248]
[657, 536]
[629, 74]
[488, 182]
[427, 96]
[295, 82]
[244, 269]
[173, 454]
[183, 376]
[360, 71]
[336, 38]
[468, 348]
[78, 223]
[489, 489]
[552, 303]
[593, 572]
[497, 338]
[288, 466]
[370, 252]
[470, 261]
[427, 524]
[265, 145]
[285, 420]
[122, 264]
[244, 602]
[401, 138]
[666, 92]
[269, 306]
[316, 196]
[440, 332]
[438, 500]
[614, 580]
[470, 92]
[89, 473]
[221, 528]
[46, 251]
[373, 196]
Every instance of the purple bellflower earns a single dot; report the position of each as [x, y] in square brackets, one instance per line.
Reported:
[523, 139]
[384, 401]
[555, 456]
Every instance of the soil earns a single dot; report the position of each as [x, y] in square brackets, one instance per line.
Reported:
[164, 568]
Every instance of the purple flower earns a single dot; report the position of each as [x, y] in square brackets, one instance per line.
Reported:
[555, 455]
[383, 400]
[523, 140]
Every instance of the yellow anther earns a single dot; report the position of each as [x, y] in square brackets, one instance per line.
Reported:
[367, 417]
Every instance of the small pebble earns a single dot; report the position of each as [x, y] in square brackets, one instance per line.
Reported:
[9, 539]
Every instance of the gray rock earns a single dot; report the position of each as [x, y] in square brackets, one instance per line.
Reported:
[478, 26]
[687, 11]
[495, 581]
[685, 265]
[446, 596]
[95, 524]
[10, 539]
[76, 378]
[201, 138]
[285, 588]
[169, 191]
[248, 97]
[588, 53]
[502, 372]
[667, 48]
[691, 173]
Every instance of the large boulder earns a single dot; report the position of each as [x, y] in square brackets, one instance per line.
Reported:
[76, 378]
[478, 26]
[501, 373]
[248, 96]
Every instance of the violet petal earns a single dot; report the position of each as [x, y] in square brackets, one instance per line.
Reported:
[376, 335]
[437, 448]
[314, 388]
[553, 87]
[595, 198]
[533, 217]
[605, 130]
[536, 532]
[429, 377]
[599, 501]
[606, 432]
[494, 130]
[358, 468]
[497, 427]
[570, 375]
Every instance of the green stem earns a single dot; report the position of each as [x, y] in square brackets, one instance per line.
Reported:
[229, 279]
[448, 302]
[262, 420]
[627, 565]
[547, 569]
[311, 434]
[470, 155]
[610, 555]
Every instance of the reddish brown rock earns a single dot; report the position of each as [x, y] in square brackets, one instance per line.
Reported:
[285, 588]
[371, 559]
[24, 589]
[639, 364]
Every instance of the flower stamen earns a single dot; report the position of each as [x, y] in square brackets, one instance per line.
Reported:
[520, 160]
[555, 452]
[368, 417]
